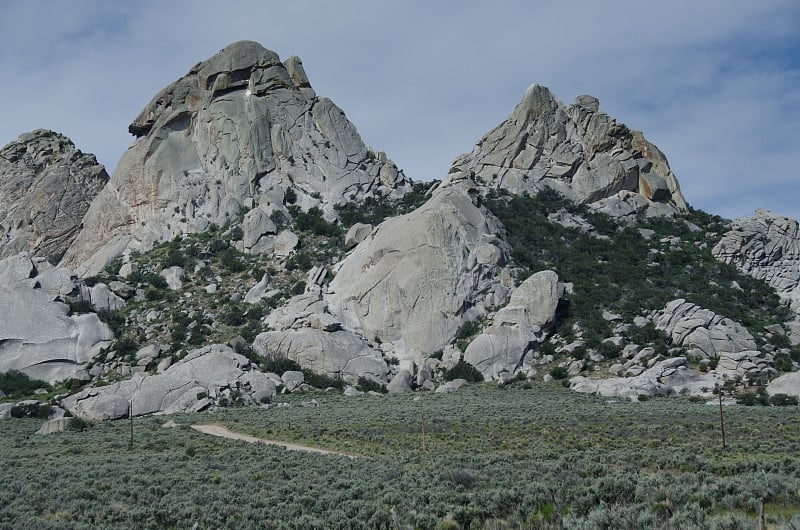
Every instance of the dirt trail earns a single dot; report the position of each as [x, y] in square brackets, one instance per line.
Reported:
[224, 432]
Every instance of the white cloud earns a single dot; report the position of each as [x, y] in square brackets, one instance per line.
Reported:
[713, 83]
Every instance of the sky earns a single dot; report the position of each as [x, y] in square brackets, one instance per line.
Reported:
[714, 84]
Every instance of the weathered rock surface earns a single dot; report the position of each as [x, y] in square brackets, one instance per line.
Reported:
[706, 335]
[340, 354]
[199, 380]
[578, 150]
[356, 234]
[38, 336]
[46, 187]
[515, 329]
[417, 277]
[668, 377]
[238, 130]
[788, 384]
[767, 247]
[53, 426]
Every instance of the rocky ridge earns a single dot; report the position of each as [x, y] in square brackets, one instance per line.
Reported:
[228, 211]
[46, 187]
[581, 152]
[239, 138]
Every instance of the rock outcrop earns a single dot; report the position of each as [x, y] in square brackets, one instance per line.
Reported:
[515, 329]
[668, 377]
[767, 247]
[38, 335]
[240, 130]
[706, 335]
[416, 278]
[578, 150]
[203, 378]
[337, 354]
[46, 187]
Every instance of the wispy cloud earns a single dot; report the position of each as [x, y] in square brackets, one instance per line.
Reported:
[713, 83]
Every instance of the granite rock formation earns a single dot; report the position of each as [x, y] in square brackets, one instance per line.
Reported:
[46, 187]
[239, 131]
[578, 150]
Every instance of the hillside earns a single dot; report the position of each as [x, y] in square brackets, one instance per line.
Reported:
[250, 243]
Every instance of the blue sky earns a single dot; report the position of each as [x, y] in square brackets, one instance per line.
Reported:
[715, 84]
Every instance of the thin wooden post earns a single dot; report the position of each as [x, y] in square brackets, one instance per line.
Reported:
[130, 415]
[422, 423]
[721, 420]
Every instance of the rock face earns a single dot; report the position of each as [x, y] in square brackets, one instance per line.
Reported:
[417, 277]
[38, 336]
[201, 379]
[238, 131]
[578, 150]
[517, 328]
[766, 247]
[706, 335]
[666, 378]
[46, 186]
[339, 354]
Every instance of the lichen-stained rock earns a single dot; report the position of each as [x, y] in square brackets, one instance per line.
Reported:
[191, 384]
[338, 354]
[514, 330]
[578, 150]
[417, 277]
[767, 247]
[238, 130]
[46, 186]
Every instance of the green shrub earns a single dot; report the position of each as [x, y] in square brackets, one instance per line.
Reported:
[321, 380]
[367, 385]
[32, 410]
[783, 400]
[17, 384]
[559, 373]
[464, 370]
[77, 424]
[77, 307]
[279, 365]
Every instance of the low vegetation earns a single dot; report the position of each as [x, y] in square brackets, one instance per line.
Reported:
[514, 456]
[629, 274]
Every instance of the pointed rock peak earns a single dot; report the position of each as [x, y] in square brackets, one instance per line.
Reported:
[578, 150]
[537, 100]
[296, 71]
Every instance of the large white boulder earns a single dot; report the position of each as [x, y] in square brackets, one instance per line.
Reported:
[417, 277]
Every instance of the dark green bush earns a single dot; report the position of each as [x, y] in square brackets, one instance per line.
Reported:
[32, 410]
[17, 384]
[783, 400]
[77, 424]
[279, 365]
[464, 370]
[367, 385]
[321, 380]
[80, 306]
[559, 372]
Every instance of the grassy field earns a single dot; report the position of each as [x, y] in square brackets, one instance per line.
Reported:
[514, 456]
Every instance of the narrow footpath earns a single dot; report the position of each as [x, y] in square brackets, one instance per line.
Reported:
[224, 432]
